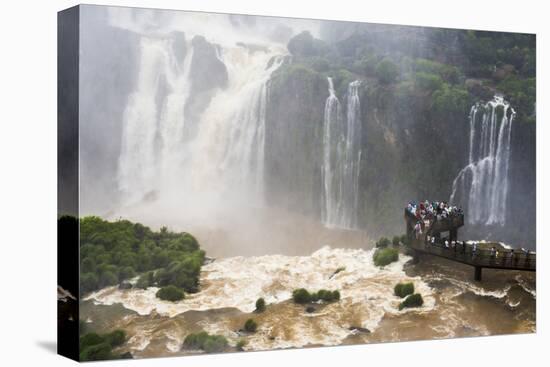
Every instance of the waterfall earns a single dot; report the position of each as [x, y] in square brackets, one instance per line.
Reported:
[138, 162]
[341, 158]
[224, 161]
[229, 148]
[482, 186]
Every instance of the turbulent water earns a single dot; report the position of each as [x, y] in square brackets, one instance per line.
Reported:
[341, 158]
[192, 158]
[482, 186]
[454, 306]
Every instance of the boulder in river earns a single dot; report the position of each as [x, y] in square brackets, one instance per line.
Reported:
[125, 285]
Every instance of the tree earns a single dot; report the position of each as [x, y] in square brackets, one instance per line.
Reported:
[386, 71]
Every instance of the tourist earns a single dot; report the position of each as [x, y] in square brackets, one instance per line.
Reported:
[418, 230]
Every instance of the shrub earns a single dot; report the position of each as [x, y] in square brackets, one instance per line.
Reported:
[403, 289]
[250, 325]
[260, 305]
[96, 347]
[170, 293]
[405, 240]
[385, 256]
[215, 344]
[382, 242]
[116, 338]
[240, 344]
[396, 240]
[414, 300]
[98, 352]
[208, 343]
[301, 296]
[146, 280]
[196, 340]
[90, 339]
[386, 71]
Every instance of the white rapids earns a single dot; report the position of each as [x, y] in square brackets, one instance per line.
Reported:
[238, 282]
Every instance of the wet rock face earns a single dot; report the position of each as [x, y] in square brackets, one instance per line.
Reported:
[207, 70]
[293, 149]
[208, 74]
[179, 45]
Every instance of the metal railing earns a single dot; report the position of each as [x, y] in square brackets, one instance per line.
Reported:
[465, 253]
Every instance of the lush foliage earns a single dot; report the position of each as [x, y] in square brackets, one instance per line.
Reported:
[386, 71]
[206, 342]
[260, 305]
[251, 326]
[385, 256]
[382, 242]
[302, 296]
[96, 347]
[114, 251]
[414, 300]
[403, 289]
[170, 293]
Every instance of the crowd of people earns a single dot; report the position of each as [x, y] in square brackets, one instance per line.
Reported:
[425, 210]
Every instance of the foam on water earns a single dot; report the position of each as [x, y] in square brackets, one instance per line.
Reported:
[237, 282]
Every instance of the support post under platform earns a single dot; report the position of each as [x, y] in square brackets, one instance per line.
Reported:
[477, 273]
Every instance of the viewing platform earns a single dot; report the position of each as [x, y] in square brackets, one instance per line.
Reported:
[443, 233]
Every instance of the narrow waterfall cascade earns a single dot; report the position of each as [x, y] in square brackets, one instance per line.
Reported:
[482, 186]
[341, 158]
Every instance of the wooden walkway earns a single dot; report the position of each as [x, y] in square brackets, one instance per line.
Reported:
[463, 252]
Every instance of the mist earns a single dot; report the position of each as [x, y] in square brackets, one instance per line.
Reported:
[216, 124]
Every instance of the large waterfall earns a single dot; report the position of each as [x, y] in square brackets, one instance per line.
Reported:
[341, 158]
[160, 158]
[482, 186]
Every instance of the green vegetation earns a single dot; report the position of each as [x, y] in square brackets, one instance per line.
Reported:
[115, 251]
[250, 325]
[170, 293]
[403, 289]
[206, 342]
[386, 71]
[146, 280]
[382, 242]
[260, 305]
[396, 240]
[419, 86]
[385, 256]
[302, 296]
[414, 300]
[96, 347]
[240, 344]
[305, 45]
